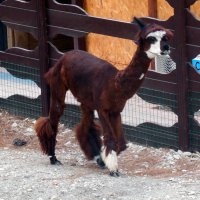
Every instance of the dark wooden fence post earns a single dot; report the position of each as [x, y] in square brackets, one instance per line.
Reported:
[43, 54]
[182, 73]
[79, 43]
[3, 35]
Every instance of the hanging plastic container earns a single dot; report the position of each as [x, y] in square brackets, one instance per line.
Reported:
[196, 63]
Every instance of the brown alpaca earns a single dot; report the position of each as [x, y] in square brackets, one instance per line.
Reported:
[99, 86]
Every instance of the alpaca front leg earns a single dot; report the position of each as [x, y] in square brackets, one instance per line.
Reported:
[109, 150]
[111, 161]
[115, 119]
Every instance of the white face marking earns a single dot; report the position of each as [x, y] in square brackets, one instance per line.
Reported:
[110, 160]
[154, 49]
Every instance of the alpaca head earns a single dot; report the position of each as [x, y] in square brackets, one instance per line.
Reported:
[153, 39]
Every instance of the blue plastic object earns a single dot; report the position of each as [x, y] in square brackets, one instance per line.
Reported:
[196, 63]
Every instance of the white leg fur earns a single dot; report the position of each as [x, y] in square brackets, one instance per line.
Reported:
[110, 160]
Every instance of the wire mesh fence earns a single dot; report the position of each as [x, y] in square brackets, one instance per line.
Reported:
[148, 117]
[157, 115]
[150, 120]
[19, 90]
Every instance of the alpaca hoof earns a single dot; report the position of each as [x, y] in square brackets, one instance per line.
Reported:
[54, 161]
[114, 174]
[100, 163]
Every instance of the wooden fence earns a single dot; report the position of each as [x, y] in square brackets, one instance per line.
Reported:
[45, 19]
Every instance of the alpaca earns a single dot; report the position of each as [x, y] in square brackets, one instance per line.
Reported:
[99, 86]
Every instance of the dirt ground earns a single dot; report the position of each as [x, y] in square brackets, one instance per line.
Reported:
[146, 172]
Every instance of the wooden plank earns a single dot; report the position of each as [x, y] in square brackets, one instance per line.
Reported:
[19, 59]
[194, 86]
[171, 77]
[18, 16]
[23, 52]
[20, 4]
[189, 3]
[23, 28]
[192, 20]
[159, 85]
[54, 30]
[171, 3]
[159, 81]
[193, 34]
[53, 52]
[192, 52]
[89, 24]
[76, 8]
[193, 74]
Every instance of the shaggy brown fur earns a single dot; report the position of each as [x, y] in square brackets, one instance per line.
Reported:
[99, 86]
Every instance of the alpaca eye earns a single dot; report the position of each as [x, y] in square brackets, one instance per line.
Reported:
[151, 39]
[165, 38]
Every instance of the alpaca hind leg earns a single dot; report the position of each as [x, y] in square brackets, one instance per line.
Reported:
[56, 110]
[88, 136]
[109, 149]
[96, 143]
[47, 138]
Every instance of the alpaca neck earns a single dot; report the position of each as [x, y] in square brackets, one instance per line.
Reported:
[139, 65]
[130, 79]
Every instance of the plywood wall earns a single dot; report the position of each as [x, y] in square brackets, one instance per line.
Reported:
[119, 51]
[195, 8]
[164, 10]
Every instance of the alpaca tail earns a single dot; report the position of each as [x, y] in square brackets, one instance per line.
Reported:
[44, 132]
[52, 77]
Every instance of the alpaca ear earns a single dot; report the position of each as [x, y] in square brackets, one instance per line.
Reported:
[139, 22]
[141, 25]
[138, 41]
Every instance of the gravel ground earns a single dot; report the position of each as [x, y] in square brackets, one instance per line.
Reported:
[146, 173]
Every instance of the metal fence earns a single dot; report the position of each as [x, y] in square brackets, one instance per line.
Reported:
[165, 110]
